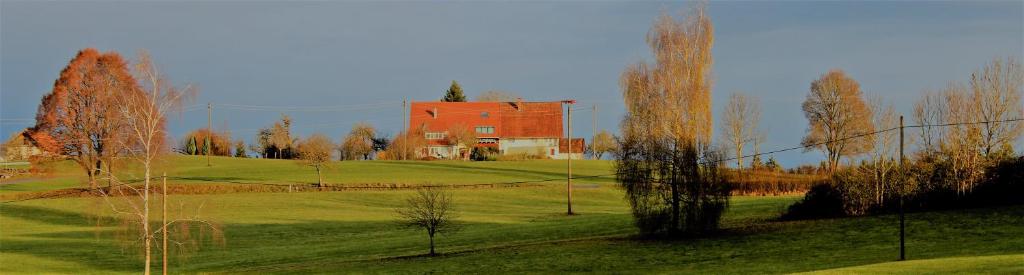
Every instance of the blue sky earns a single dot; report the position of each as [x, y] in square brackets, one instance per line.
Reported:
[361, 58]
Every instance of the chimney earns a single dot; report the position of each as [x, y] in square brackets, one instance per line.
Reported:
[434, 113]
[519, 104]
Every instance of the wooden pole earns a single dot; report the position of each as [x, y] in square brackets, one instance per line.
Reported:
[163, 229]
[593, 118]
[902, 187]
[405, 128]
[209, 129]
[568, 159]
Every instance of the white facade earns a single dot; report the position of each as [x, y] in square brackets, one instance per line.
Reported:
[547, 147]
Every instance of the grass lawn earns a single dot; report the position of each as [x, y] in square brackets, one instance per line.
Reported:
[518, 229]
[193, 169]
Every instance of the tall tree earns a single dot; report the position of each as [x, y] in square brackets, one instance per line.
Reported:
[144, 116]
[281, 136]
[454, 93]
[835, 110]
[883, 156]
[996, 92]
[79, 115]
[665, 162]
[929, 111]
[315, 151]
[496, 96]
[963, 143]
[191, 148]
[740, 121]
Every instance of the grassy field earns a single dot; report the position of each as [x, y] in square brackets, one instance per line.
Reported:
[517, 229]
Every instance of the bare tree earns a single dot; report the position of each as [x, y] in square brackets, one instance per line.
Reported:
[884, 153]
[429, 209]
[281, 136]
[315, 151]
[496, 96]
[929, 111]
[996, 92]
[740, 121]
[603, 143]
[962, 142]
[835, 110]
[145, 118]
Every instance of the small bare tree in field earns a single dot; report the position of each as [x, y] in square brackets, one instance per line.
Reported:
[145, 140]
[315, 151]
[740, 121]
[429, 209]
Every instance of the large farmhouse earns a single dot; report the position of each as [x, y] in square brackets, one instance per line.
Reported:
[533, 128]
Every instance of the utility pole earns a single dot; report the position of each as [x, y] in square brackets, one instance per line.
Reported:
[163, 229]
[405, 143]
[568, 158]
[593, 118]
[209, 131]
[902, 187]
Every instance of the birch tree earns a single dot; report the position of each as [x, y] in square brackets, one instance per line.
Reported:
[145, 114]
[740, 121]
[665, 162]
[996, 93]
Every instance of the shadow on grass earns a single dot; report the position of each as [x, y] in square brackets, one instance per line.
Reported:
[287, 246]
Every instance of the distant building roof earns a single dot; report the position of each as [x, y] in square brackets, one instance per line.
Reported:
[531, 119]
[509, 119]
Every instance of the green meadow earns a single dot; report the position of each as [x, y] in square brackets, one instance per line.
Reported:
[518, 228]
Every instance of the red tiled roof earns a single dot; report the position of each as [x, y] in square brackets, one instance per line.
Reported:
[531, 119]
[509, 119]
[453, 114]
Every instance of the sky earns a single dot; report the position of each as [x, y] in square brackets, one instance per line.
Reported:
[329, 65]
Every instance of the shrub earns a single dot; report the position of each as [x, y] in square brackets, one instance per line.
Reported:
[483, 154]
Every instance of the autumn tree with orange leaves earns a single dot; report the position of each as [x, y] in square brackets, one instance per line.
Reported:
[836, 112]
[78, 118]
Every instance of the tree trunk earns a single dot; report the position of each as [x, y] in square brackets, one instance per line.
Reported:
[319, 177]
[432, 244]
[163, 223]
[145, 220]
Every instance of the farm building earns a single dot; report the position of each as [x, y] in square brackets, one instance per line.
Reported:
[532, 128]
[20, 147]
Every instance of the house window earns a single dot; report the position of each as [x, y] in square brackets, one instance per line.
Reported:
[487, 141]
[436, 135]
[485, 129]
[485, 115]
